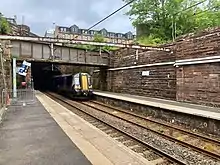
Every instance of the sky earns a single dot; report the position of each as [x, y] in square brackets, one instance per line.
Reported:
[41, 14]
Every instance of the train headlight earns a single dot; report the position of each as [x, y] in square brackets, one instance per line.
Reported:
[77, 87]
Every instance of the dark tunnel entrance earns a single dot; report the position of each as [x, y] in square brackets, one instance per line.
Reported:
[42, 74]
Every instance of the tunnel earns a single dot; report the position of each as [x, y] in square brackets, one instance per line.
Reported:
[42, 74]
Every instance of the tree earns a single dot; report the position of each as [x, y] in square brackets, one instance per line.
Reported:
[163, 20]
[4, 25]
[98, 38]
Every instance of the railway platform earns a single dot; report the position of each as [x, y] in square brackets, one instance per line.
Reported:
[29, 135]
[45, 133]
[191, 109]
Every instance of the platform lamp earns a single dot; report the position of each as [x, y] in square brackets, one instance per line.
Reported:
[54, 28]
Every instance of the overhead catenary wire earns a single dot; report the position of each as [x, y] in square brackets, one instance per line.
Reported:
[194, 5]
[132, 2]
[110, 14]
[203, 11]
[174, 23]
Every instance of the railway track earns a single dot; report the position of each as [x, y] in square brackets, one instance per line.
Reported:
[149, 151]
[200, 143]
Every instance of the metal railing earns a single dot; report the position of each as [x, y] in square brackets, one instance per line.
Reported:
[84, 42]
[21, 97]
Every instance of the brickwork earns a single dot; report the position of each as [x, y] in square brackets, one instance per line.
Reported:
[6, 68]
[132, 57]
[160, 83]
[194, 83]
[199, 83]
[203, 44]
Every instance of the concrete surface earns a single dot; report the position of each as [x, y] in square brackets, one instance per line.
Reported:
[198, 110]
[2, 111]
[30, 136]
[98, 147]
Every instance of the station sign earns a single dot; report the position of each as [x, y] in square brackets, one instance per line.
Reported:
[145, 73]
[24, 68]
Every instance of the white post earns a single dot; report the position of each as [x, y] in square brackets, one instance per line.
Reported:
[52, 53]
[14, 79]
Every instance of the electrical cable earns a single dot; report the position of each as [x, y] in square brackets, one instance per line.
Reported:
[190, 7]
[203, 11]
[110, 15]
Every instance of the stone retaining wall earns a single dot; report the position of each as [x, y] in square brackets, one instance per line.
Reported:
[6, 68]
[194, 83]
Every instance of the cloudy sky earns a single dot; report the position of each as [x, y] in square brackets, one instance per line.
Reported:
[40, 14]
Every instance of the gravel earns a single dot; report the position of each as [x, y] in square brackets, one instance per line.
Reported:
[180, 152]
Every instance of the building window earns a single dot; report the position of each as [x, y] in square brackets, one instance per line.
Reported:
[112, 35]
[103, 33]
[129, 36]
[119, 35]
[73, 29]
[92, 32]
[63, 29]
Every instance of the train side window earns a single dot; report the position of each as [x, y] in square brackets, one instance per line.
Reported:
[69, 81]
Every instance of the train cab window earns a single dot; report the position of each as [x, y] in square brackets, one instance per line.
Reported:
[76, 79]
[89, 80]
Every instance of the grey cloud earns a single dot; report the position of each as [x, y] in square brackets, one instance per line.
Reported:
[40, 14]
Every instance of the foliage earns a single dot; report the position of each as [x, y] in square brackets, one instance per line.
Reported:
[4, 25]
[150, 40]
[164, 20]
[97, 38]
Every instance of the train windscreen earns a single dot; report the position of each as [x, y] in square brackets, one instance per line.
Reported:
[76, 80]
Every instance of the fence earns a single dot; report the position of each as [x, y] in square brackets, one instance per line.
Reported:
[21, 97]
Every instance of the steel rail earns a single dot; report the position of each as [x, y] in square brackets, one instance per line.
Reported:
[157, 150]
[185, 144]
[161, 123]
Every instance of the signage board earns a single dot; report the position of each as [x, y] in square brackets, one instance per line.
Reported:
[24, 68]
[145, 73]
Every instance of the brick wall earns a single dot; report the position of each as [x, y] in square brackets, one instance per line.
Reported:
[194, 83]
[203, 44]
[160, 83]
[6, 68]
[199, 83]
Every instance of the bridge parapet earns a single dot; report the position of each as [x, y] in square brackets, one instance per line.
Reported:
[44, 52]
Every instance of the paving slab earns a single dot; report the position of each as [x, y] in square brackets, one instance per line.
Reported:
[192, 109]
[30, 136]
[98, 147]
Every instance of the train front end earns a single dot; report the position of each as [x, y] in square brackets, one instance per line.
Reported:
[83, 85]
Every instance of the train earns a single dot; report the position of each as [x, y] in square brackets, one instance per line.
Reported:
[75, 86]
